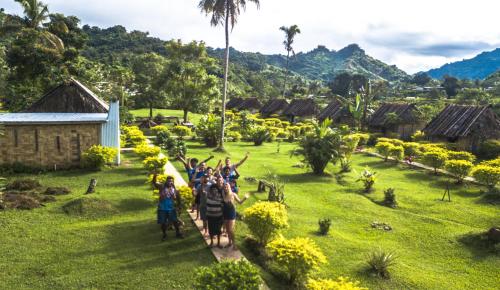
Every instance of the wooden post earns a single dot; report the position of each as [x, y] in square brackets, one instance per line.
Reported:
[92, 185]
[447, 192]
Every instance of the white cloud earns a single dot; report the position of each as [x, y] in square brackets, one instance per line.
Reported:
[414, 35]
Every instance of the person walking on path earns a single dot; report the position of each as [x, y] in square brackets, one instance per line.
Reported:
[215, 201]
[229, 213]
[166, 212]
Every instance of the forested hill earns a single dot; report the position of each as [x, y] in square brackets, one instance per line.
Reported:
[319, 64]
[479, 67]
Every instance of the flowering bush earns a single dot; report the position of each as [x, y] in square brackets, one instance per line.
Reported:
[461, 155]
[259, 135]
[155, 164]
[368, 178]
[228, 275]
[145, 151]
[488, 175]
[363, 138]
[492, 163]
[384, 149]
[265, 220]
[209, 129]
[397, 152]
[181, 131]
[328, 284]
[132, 136]
[435, 159]
[186, 197]
[97, 156]
[459, 168]
[296, 258]
[157, 129]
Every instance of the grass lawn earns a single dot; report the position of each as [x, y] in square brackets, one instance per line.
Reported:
[193, 118]
[47, 249]
[431, 238]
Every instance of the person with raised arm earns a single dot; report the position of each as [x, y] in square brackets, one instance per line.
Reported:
[229, 213]
[167, 202]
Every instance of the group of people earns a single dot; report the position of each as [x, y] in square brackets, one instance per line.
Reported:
[215, 191]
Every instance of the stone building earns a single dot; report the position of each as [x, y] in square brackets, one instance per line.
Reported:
[59, 127]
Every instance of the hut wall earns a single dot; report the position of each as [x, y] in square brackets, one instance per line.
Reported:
[57, 145]
[405, 131]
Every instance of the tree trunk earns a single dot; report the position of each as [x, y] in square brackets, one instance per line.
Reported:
[286, 73]
[226, 72]
[186, 115]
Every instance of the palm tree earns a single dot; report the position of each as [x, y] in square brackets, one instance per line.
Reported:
[35, 14]
[224, 12]
[290, 33]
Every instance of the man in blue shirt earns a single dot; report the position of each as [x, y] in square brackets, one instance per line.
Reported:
[167, 213]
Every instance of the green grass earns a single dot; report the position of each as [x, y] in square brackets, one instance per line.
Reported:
[431, 238]
[48, 249]
[193, 118]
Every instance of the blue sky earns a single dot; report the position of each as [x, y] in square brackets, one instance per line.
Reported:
[414, 35]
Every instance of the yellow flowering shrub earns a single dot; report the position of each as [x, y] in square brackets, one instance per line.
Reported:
[459, 168]
[155, 164]
[328, 284]
[265, 220]
[144, 151]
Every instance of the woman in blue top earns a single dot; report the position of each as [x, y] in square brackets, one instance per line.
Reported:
[169, 198]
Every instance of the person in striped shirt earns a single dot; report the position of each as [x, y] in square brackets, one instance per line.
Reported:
[215, 202]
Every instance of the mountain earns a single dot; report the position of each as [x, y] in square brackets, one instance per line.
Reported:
[478, 67]
[321, 63]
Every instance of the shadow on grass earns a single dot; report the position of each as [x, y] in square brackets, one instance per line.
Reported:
[130, 183]
[306, 177]
[479, 245]
[135, 204]
[138, 247]
[488, 198]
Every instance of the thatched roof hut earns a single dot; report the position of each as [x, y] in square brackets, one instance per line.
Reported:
[466, 125]
[405, 124]
[234, 103]
[301, 108]
[337, 112]
[250, 104]
[69, 97]
[274, 106]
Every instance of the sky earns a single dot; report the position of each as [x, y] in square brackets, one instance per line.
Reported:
[414, 35]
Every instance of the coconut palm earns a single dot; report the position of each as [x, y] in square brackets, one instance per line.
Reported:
[290, 33]
[226, 13]
[35, 14]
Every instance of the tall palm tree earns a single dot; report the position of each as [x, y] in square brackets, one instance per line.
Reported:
[226, 13]
[35, 14]
[290, 33]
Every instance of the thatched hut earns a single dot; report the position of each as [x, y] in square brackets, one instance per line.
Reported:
[58, 128]
[467, 126]
[274, 106]
[400, 119]
[302, 108]
[234, 103]
[338, 113]
[252, 105]
[69, 97]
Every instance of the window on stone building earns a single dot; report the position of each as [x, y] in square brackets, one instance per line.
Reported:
[58, 143]
[16, 138]
[36, 140]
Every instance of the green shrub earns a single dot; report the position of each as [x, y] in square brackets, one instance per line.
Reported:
[390, 198]
[234, 136]
[368, 178]
[418, 136]
[259, 135]
[489, 149]
[296, 258]
[363, 138]
[324, 226]
[461, 155]
[328, 284]
[181, 131]
[228, 275]
[380, 262]
[159, 129]
[459, 168]
[265, 220]
[132, 136]
[209, 129]
[384, 149]
[97, 156]
[435, 159]
[412, 149]
[397, 152]
[145, 151]
[155, 164]
[320, 147]
[162, 138]
[488, 175]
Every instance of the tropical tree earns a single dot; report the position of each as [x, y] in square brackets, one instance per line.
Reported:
[185, 78]
[290, 33]
[226, 13]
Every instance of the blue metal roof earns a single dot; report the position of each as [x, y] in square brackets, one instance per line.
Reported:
[52, 118]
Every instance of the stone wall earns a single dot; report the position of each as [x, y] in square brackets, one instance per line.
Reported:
[47, 145]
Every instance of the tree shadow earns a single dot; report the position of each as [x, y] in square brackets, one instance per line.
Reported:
[488, 198]
[135, 204]
[307, 177]
[479, 245]
[133, 182]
